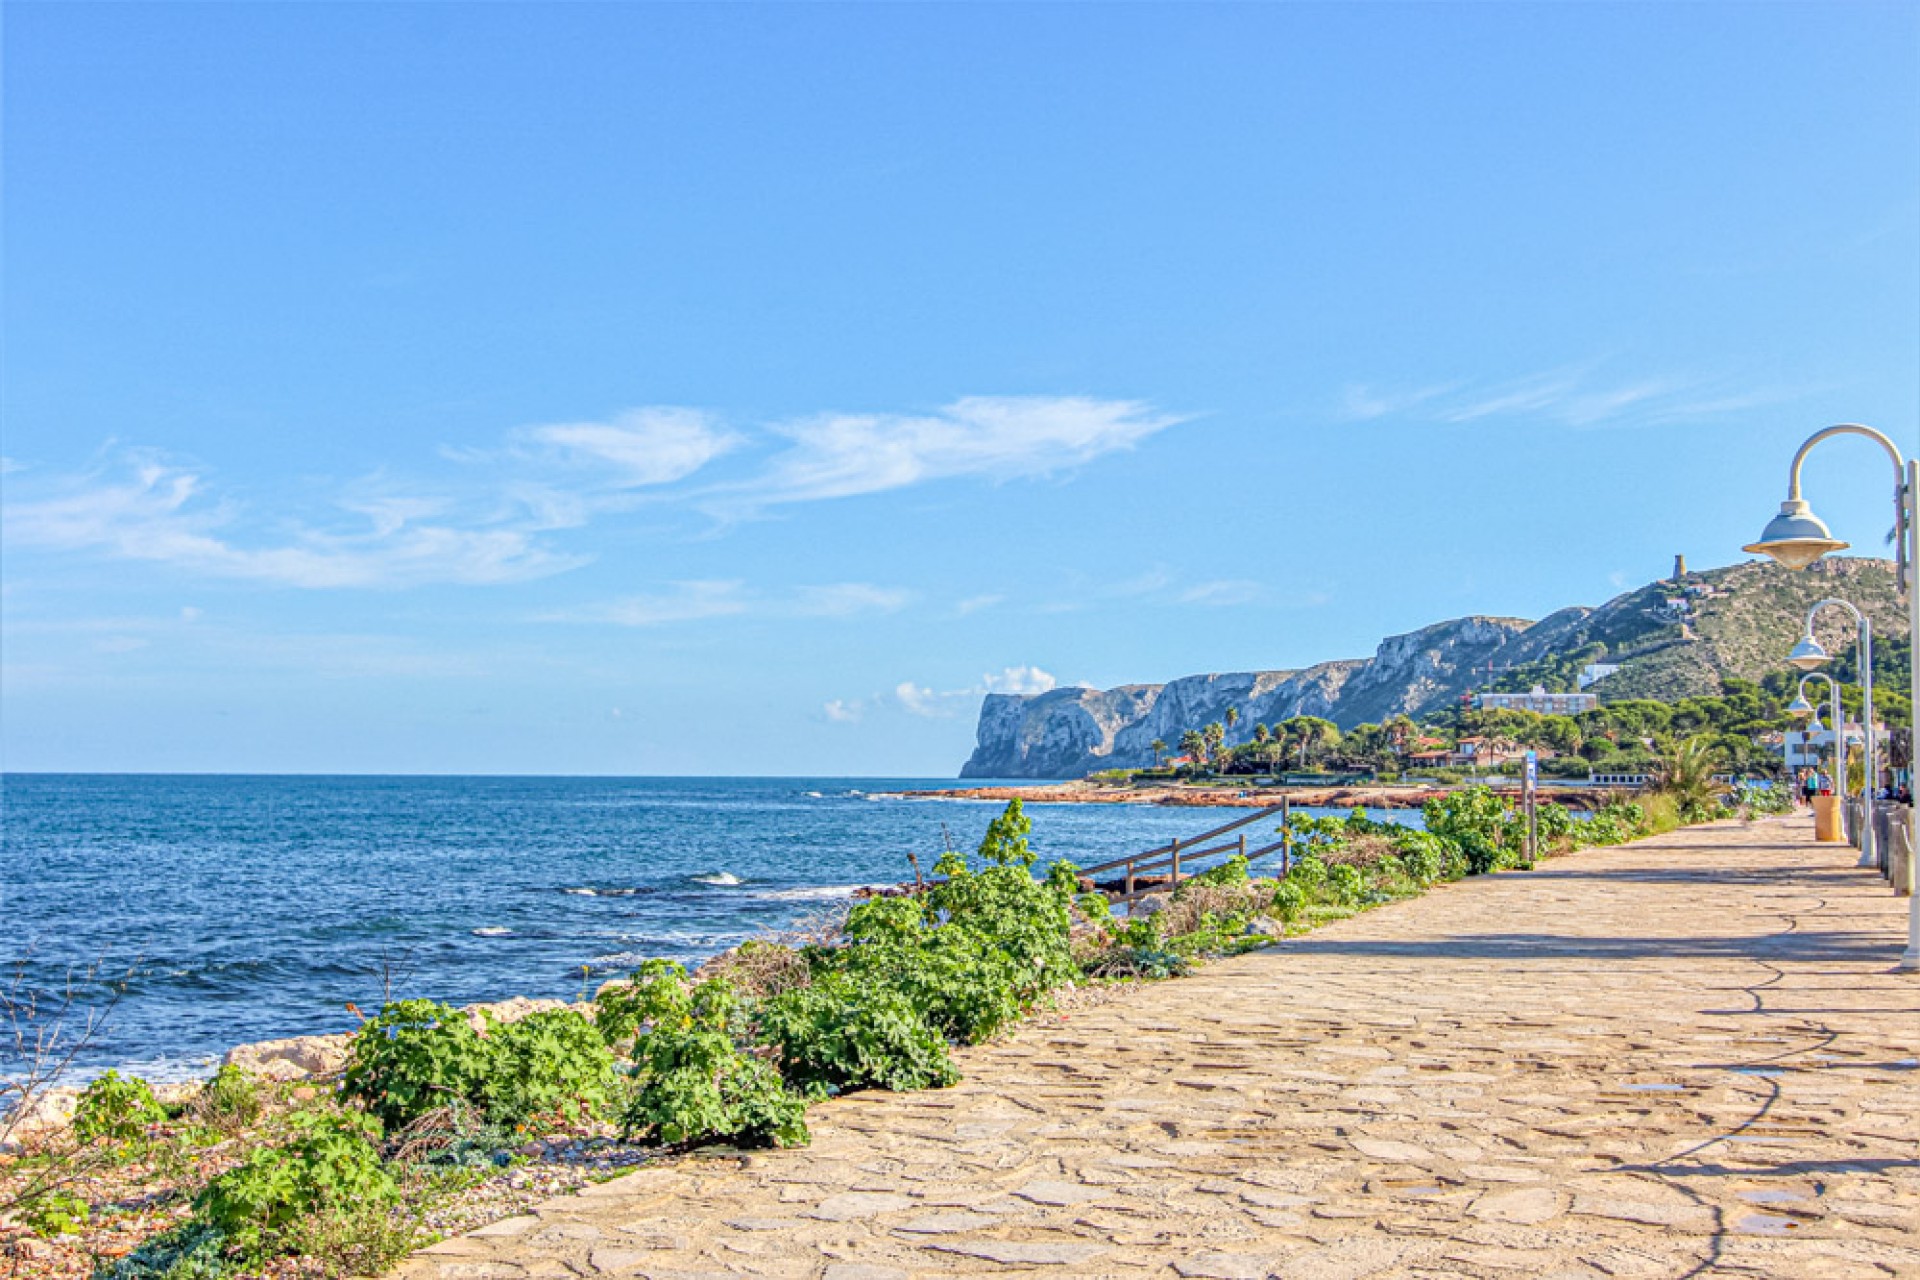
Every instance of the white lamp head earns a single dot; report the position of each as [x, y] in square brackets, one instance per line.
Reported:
[1800, 708]
[1814, 726]
[1796, 537]
[1808, 655]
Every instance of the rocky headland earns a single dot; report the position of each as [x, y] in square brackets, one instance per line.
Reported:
[1679, 637]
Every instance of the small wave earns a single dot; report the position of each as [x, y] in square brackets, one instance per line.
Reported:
[811, 893]
[813, 795]
[589, 891]
[719, 879]
[493, 931]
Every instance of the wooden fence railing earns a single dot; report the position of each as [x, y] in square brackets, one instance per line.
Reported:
[1177, 860]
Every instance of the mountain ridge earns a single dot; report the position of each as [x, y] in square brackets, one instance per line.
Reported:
[1672, 638]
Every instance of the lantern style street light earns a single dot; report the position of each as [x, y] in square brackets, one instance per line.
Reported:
[1796, 538]
[1809, 655]
[1800, 708]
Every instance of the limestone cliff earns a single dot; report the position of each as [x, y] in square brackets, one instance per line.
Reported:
[1669, 639]
[1069, 732]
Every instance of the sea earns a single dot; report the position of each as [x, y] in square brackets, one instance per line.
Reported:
[155, 921]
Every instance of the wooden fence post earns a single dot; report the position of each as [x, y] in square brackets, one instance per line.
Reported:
[1286, 835]
[1176, 862]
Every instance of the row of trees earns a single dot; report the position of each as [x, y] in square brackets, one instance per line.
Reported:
[1302, 742]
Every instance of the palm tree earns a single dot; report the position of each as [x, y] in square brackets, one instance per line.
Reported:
[1216, 736]
[1308, 734]
[1233, 718]
[1685, 772]
[1159, 746]
[1194, 746]
[1261, 734]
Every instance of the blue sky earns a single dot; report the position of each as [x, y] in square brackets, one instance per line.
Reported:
[629, 389]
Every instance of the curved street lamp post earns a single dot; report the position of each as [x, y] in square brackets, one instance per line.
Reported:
[1800, 708]
[1809, 655]
[1796, 538]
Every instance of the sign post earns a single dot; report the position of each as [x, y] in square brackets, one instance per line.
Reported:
[1529, 788]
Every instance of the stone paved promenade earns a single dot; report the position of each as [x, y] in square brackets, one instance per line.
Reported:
[1687, 1056]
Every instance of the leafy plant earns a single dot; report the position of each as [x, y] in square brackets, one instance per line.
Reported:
[57, 1213]
[229, 1102]
[194, 1250]
[1289, 900]
[839, 1034]
[1345, 885]
[1482, 854]
[548, 1064]
[1231, 872]
[691, 1082]
[416, 1056]
[329, 1169]
[117, 1108]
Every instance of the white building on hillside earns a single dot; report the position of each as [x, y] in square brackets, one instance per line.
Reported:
[1538, 700]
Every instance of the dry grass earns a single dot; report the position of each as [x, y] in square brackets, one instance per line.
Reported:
[1360, 851]
[1187, 909]
[759, 969]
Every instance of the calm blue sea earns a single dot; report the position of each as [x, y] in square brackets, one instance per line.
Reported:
[247, 908]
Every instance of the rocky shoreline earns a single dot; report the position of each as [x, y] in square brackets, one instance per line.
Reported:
[1178, 796]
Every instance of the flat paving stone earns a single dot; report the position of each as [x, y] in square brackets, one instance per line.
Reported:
[1600, 1068]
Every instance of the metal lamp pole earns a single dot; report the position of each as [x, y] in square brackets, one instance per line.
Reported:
[1801, 707]
[1796, 538]
[1809, 655]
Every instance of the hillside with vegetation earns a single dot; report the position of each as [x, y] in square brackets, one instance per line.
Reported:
[1699, 635]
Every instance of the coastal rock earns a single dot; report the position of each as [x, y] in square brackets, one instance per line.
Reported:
[295, 1058]
[47, 1112]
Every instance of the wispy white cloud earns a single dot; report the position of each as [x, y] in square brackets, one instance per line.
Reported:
[503, 515]
[848, 599]
[680, 602]
[701, 600]
[987, 437]
[841, 711]
[1361, 403]
[1577, 395]
[974, 604]
[146, 509]
[651, 446]
[1222, 593]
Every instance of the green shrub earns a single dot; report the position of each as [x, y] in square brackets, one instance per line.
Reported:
[193, 1250]
[691, 1082]
[1308, 872]
[959, 983]
[418, 1055]
[1473, 811]
[1345, 885]
[329, 1169]
[57, 1213]
[550, 1064]
[839, 1034]
[1482, 854]
[230, 1101]
[1289, 900]
[117, 1108]
[1231, 872]
[1425, 856]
